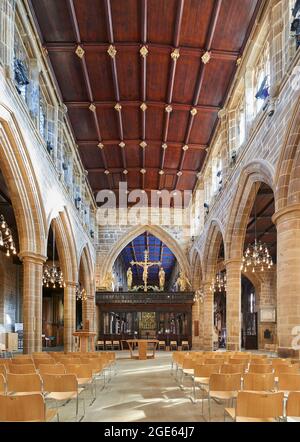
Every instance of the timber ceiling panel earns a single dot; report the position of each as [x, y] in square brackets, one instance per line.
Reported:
[143, 81]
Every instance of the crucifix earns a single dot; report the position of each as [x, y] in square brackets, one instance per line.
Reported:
[145, 266]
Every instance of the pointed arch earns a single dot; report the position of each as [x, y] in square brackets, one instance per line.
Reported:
[66, 246]
[160, 233]
[257, 171]
[215, 237]
[196, 269]
[20, 179]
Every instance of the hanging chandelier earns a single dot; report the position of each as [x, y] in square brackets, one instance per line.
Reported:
[80, 293]
[53, 276]
[219, 283]
[257, 256]
[6, 238]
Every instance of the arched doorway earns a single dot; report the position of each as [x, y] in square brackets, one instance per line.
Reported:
[53, 295]
[258, 283]
[11, 321]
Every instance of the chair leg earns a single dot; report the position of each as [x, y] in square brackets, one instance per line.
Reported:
[209, 410]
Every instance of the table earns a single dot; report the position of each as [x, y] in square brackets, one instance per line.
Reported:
[142, 348]
[86, 340]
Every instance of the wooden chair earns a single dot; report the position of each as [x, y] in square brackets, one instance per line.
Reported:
[116, 345]
[257, 407]
[29, 408]
[288, 382]
[84, 375]
[108, 345]
[162, 345]
[223, 387]
[20, 384]
[173, 345]
[293, 405]
[52, 369]
[185, 345]
[213, 361]
[2, 384]
[22, 369]
[202, 374]
[259, 382]
[261, 368]
[62, 388]
[100, 345]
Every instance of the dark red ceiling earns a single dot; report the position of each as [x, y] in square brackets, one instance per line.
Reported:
[194, 27]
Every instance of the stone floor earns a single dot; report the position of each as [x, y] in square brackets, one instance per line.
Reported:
[142, 391]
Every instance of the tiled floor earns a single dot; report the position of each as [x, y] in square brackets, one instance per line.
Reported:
[142, 391]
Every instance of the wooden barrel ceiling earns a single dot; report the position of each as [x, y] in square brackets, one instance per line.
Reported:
[143, 82]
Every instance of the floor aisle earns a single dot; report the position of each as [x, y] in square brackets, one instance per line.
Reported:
[143, 391]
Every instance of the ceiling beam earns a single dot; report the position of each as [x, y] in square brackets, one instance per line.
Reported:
[135, 47]
[199, 84]
[137, 142]
[171, 82]
[158, 104]
[137, 169]
[110, 34]
[72, 12]
[260, 213]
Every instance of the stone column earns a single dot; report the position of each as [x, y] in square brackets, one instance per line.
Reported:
[233, 304]
[32, 301]
[287, 222]
[196, 325]
[208, 317]
[69, 315]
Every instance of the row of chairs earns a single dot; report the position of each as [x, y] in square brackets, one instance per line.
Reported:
[108, 345]
[222, 375]
[162, 345]
[58, 377]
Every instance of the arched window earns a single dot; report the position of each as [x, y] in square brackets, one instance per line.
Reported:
[262, 79]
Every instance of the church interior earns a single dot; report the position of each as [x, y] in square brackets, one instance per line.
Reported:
[149, 211]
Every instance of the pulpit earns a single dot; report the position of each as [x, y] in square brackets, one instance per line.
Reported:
[86, 338]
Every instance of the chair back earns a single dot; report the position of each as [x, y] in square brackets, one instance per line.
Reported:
[260, 368]
[287, 369]
[259, 405]
[261, 361]
[22, 383]
[211, 361]
[280, 361]
[225, 382]
[43, 360]
[22, 369]
[2, 384]
[60, 383]
[259, 381]
[28, 408]
[289, 382]
[52, 369]
[293, 404]
[188, 363]
[22, 361]
[205, 371]
[80, 370]
[233, 368]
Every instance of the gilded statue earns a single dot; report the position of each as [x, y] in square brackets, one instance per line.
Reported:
[162, 277]
[109, 281]
[182, 282]
[129, 278]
